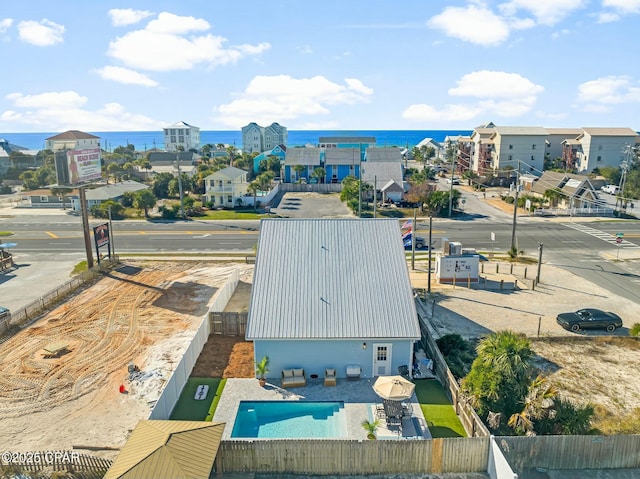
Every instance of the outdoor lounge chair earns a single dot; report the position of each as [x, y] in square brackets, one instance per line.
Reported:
[403, 370]
[329, 377]
[292, 378]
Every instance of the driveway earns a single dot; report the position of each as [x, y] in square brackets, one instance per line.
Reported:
[310, 205]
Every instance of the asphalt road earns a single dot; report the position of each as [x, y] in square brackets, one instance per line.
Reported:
[50, 243]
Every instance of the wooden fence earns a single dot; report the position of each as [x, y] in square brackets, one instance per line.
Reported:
[472, 423]
[228, 324]
[346, 457]
[571, 452]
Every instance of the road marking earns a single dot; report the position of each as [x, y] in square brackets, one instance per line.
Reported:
[609, 238]
[53, 235]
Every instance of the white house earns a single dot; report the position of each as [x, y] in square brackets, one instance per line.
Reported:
[181, 134]
[72, 140]
[225, 187]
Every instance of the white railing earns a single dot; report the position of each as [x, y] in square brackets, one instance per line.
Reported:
[573, 212]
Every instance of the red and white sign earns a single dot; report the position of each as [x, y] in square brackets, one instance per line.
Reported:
[83, 165]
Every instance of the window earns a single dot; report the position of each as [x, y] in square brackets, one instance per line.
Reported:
[511, 147]
[173, 139]
[599, 158]
[533, 158]
[44, 199]
[229, 199]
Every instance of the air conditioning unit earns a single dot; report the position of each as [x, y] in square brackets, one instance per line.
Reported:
[455, 248]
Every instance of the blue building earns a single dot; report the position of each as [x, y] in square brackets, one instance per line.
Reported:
[322, 299]
[279, 151]
[308, 158]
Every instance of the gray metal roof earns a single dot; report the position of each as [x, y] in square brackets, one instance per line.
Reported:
[331, 279]
[302, 156]
[115, 190]
[342, 156]
[384, 154]
[381, 172]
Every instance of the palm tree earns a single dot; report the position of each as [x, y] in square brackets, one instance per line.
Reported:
[371, 428]
[538, 404]
[253, 187]
[553, 196]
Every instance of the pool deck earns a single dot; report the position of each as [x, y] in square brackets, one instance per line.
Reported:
[358, 396]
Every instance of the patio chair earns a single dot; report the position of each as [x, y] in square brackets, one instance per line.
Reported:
[329, 377]
[403, 370]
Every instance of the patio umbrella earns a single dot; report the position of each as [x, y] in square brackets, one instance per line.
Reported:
[394, 388]
[8, 245]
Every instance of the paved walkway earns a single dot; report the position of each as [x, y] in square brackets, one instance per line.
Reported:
[358, 396]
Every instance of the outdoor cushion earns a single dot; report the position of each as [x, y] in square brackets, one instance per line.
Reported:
[331, 372]
[298, 372]
[287, 373]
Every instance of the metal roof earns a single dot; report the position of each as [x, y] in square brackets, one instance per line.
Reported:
[384, 154]
[342, 156]
[115, 190]
[598, 131]
[302, 156]
[229, 173]
[521, 130]
[177, 449]
[381, 172]
[331, 279]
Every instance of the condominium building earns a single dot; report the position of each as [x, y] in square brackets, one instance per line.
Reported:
[183, 135]
[257, 139]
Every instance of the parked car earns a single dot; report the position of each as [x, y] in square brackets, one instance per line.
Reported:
[455, 180]
[589, 318]
[421, 243]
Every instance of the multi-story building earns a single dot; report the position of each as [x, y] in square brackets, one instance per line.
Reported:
[520, 148]
[555, 141]
[257, 139]
[72, 140]
[225, 187]
[599, 147]
[480, 148]
[183, 135]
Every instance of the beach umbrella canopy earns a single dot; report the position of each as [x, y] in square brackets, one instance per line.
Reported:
[394, 388]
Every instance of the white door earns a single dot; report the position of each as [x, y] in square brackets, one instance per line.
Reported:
[381, 359]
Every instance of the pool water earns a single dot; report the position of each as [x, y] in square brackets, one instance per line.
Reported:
[290, 419]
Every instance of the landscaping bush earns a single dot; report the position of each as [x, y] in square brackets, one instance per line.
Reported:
[458, 353]
[635, 330]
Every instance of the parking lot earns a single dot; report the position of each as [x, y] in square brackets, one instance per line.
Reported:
[310, 205]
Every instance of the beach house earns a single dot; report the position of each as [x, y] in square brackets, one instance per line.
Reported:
[332, 293]
[181, 135]
[226, 187]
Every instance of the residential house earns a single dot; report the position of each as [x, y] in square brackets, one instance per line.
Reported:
[26, 159]
[599, 147]
[279, 151]
[226, 187]
[44, 198]
[360, 142]
[309, 158]
[340, 163]
[387, 155]
[520, 148]
[181, 134]
[104, 193]
[387, 178]
[438, 148]
[72, 140]
[571, 191]
[167, 162]
[321, 298]
[256, 138]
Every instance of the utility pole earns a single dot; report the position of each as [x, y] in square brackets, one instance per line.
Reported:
[515, 211]
[451, 186]
[540, 245]
[375, 195]
[85, 227]
[414, 228]
[429, 270]
[184, 217]
[112, 246]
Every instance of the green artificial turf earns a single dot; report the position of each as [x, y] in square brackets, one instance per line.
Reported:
[189, 409]
[437, 409]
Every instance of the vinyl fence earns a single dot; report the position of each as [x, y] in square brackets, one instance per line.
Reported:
[571, 452]
[179, 377]
[319, 188]
[332, 457]
[473, 425]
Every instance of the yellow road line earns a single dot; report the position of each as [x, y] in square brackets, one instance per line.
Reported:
[53, 235]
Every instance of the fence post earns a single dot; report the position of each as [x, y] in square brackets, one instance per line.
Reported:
[482, 267]
[497, 267]
[501, 284]
[525, 273]
[469, 281]
[511, 268]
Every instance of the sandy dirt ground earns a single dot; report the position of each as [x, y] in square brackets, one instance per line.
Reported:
[145, 313]
[589, 367]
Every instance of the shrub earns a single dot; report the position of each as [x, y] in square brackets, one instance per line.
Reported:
[458, 353]
[635, 330]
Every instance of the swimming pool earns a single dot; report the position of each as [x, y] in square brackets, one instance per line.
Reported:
[290, 419]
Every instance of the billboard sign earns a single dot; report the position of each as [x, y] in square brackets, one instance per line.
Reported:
[101, 235]
[83, 165]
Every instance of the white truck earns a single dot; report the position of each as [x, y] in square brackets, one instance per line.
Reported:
[611, 189]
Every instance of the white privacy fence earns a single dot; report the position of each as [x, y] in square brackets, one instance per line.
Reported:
[171, 392]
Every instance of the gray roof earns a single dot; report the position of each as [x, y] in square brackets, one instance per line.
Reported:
[567, 183]
[331, 279]
[302, 156]
[342, 156]
[230, 173]
[521, 130]
[384, 154]
[370, 140]
[603, 131]
[114, 191]
[381, 172]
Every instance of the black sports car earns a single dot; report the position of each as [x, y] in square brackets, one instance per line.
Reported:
[589, 318]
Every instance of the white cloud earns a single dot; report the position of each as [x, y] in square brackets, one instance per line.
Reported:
[278, 98]
[623, 6]
[305, 49]
[125, 76]
[497, 94]
[5, 23]
[599, 94]
[163, 46]
[56, 99]
[60, 111]
[127, 16]
[495, 84]
[546, 12]
[41, 34]
[473, 23]
[607, 17]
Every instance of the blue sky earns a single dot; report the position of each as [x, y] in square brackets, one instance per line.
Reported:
[348, 64]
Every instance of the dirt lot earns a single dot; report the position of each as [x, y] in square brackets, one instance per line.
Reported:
[595, 366]
[145, 313]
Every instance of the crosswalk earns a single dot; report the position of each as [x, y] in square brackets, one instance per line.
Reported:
[604, 236]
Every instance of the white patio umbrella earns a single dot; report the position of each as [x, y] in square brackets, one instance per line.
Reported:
[393, 388]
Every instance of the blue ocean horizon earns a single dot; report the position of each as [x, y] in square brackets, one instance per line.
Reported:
[147, 140]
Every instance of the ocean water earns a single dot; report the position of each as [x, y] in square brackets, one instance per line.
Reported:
[146, 140]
